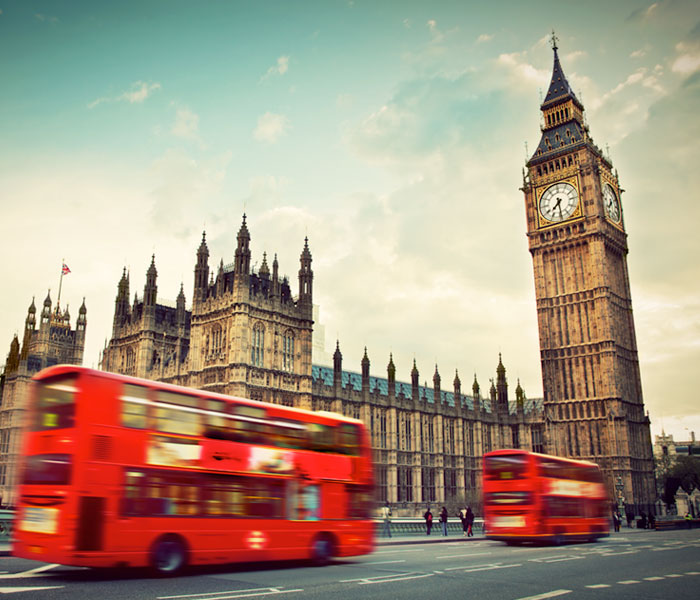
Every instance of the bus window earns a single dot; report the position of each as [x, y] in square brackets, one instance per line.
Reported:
[321, 437]
[309, 503]
[54, 469]
[216, 425]
[134, 398]
[224, 496]
[177, 418]
[134, 500]
[287, 434]
[251, 427]
[360, 502]
[55, 407]
[348, 439]
[505, 466]
[264, 498]
[172, 494]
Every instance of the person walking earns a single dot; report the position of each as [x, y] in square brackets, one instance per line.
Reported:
[443, 520]
[463, 518]
[428, 516]
[470, 521]
[386, 519]
[616, 520]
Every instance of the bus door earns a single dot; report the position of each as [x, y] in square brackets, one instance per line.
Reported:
[91, 523]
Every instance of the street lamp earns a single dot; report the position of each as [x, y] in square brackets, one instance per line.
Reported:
[619, 486]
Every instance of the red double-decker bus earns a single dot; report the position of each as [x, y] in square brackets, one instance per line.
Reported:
[539, 498]
[119, 471]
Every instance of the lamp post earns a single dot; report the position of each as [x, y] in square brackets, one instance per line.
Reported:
[619, 486]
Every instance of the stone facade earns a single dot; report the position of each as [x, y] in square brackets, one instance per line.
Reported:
[246, 335]
[53, 342]
[576, 232]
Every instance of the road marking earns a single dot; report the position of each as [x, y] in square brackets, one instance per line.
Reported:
[395, 551]
[628, 582]
[489, 567]
[462, 555]
[369, 582]
[232, 594]
[693, 573]
[598, 586]
[31, 573]
[674, 575]
[653, 578]
[4, 590]
[565, 558]
[552, 594]
[387, 578]
[385, 562]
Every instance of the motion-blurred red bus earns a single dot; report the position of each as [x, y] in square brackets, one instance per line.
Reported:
[539, 498]
[119, 471]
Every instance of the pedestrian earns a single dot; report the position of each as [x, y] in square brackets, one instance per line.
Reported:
[470, 522]
[386, 518]
[428, 516]
[463, 518]
[642, 520]
[616, 520]
[652, 521]
[443, 520]
[630, 516]
[688, 517]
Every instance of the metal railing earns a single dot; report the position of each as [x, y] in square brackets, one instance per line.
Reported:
[416, 526]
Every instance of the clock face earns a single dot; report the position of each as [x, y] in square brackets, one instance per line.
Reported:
[558, 202]
[611, 203]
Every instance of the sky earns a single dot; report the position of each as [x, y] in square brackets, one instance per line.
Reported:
[392, 134]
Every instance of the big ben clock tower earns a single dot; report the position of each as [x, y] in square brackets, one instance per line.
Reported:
[588, 351]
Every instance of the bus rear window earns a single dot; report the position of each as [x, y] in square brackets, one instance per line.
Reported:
[55, 406]
[51, 469]
[505, 466]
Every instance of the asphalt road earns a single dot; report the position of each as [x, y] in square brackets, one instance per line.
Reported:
[635, 565]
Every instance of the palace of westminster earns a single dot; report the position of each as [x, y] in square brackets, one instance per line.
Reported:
[248, 335]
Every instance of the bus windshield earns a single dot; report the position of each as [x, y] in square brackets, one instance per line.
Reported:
[55, 406]
[505, 466]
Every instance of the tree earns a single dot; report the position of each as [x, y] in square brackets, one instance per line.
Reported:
[684, 474]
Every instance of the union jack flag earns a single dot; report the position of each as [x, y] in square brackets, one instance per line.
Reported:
[64, 269]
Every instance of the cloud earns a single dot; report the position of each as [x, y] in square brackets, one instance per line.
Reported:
[280, 68]
[644, 14]
[186, 125]
[484, 37]
[437, 35]
[140, 91]
[688, 60]
[271, 127]
[641, 53]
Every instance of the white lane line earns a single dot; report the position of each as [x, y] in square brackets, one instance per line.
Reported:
[385, 562]
[598, 586]
[628, 582]
[653, 578]
[232, 594]
[488, 568]
[551, 594]
[379, 577]
[14, 590]
[565, 558]
[395, 551]
[544, 558]
[371, 582]
[674, 575]
[693, 573]
[463, 555]
[31, 573]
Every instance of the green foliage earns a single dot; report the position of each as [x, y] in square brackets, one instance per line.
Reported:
[684, 474]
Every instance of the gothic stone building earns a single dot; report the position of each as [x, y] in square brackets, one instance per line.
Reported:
[247, 335]
[54, 342]
[576, 233]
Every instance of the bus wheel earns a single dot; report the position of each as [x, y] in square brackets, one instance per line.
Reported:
[321, 550]
[168, 555]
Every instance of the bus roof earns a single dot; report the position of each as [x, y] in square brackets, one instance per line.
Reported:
[511, 451]
[58, 370]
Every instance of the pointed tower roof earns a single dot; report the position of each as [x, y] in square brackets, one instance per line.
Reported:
[32, 308]
[559, 89]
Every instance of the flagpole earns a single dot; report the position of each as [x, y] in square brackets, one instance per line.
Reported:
[60, 283]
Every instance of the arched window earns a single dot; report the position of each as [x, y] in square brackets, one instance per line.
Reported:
[130, 358]
[288, 351]
[257, 352]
